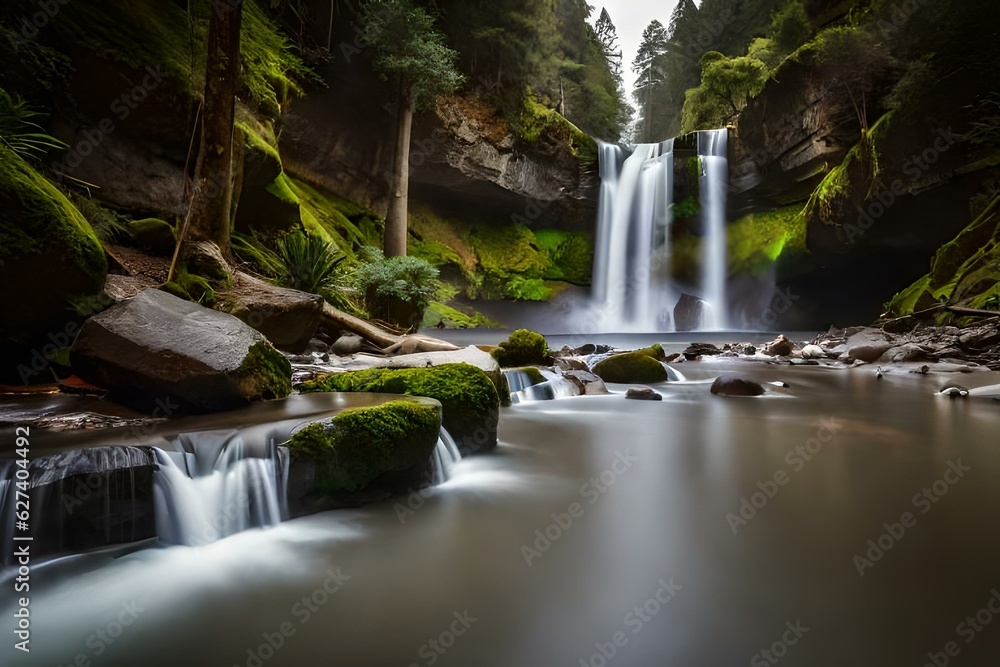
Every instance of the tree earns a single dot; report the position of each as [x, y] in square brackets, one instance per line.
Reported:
[209, 213]
[791, 26]
[413, 55]
[649, 72]
[727, 84]
[854, 61]
[607, 35]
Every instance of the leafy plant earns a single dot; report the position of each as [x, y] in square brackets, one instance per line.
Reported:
[409, 279]
[299, 261]
[110, 226]
[18, 129]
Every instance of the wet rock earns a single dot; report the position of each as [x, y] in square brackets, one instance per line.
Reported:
[346, 345]
[156, 350]
[289, 318]
[631, 367]
[954, 391]
[813, 352]
[688, 313]
[866, 345]
[586, 382]
[153, 235]
[733, 385]
[902, 353]
[781, 346]
[571, 364]
[695, 350]
[643, 394]
[317, 346]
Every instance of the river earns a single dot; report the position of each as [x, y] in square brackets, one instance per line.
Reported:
[601, 532]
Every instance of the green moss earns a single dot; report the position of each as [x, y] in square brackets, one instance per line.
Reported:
[259, 138]
[469, 399]
[539, 126]
[192, 287]
[281, 188]
[571, 255]
[439, 314]
[336, 220]
[49, 255]
[357, 446]
[153, 234]
[629, 367]
[532, 373]
[756, 241]
[522, 348]
[654, 351]
[265, 372]
[965, 271]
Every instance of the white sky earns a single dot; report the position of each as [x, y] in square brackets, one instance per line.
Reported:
[630, 18]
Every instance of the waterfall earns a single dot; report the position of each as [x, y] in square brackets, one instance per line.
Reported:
[633, 227]
[219, 488]
[714, 183]
[632, 288]
[445, 456]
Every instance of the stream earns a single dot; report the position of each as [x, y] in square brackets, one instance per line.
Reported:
[601, 531]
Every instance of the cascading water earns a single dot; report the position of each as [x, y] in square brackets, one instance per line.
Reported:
[712, 152]
[632, 286]
[218, 488]
[632, 252]
[445, 456]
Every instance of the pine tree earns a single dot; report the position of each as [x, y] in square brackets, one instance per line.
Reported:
[648, 67]
[607, 35]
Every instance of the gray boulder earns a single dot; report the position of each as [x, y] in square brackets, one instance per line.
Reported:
[867, 345]
[643, 394]
[586, 382]
[289, 318]
[732, 385]
[157, 351]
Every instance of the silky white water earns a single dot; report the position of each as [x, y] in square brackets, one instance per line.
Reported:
[445, 456]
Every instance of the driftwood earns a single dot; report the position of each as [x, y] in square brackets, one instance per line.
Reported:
[390, 343]
[960, 310]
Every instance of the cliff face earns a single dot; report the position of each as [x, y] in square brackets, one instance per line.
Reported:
[876, 206]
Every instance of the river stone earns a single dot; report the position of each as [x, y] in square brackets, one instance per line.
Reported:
[571, 364]
[643, 394]
[157, 351]
[867, 345]
[813, 352]
[732, 385]
[902, 353]
[586, 382]
[289, 318]
[782, 346]
[347, 345]
[688, 313]
[631, 367]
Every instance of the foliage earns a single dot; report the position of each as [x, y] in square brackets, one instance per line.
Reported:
[522, 348]
[298, 261]
[410, 50]
[727, 84]
[650, 75]
[546, 130]
[109, 226]
[20, 132]
[687, 208]
[791, 26]
[409, 279]
[441, 315]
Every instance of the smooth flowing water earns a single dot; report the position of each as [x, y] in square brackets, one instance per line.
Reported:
[714, 185]
[688, 532]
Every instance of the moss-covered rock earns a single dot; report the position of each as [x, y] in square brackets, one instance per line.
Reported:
[153, 235]
[265, 372]
[522, 348]
[468, 397]
[641, 366]
[389, 444]
[49, 254]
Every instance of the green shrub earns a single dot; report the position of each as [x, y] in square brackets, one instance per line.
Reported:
[523, 348]
[392, 285]
[299, 261]
[18, 129]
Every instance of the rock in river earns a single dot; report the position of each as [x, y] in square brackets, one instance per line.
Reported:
[156, 350]
[732, 385]
[643, 394]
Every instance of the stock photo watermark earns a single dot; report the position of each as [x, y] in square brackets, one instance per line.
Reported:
[779, 648]
[924, 501]
[433, 649]
[970, 628]
[591, 491]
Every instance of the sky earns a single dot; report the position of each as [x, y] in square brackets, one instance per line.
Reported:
[630, 18]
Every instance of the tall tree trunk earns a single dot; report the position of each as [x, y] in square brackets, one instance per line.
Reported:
[394, 243]
[209, 214]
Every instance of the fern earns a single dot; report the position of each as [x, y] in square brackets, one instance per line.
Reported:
[20, 132]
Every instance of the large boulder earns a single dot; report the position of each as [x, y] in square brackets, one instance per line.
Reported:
[289, 318]
[468, 398]
[156, 350]
[688, 313]
[49, 255]
[381, 448]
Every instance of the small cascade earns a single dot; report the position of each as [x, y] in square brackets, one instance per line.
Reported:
[219, 487]
[632, 287]
[714, 183]
[445, 456]
[524, 387]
